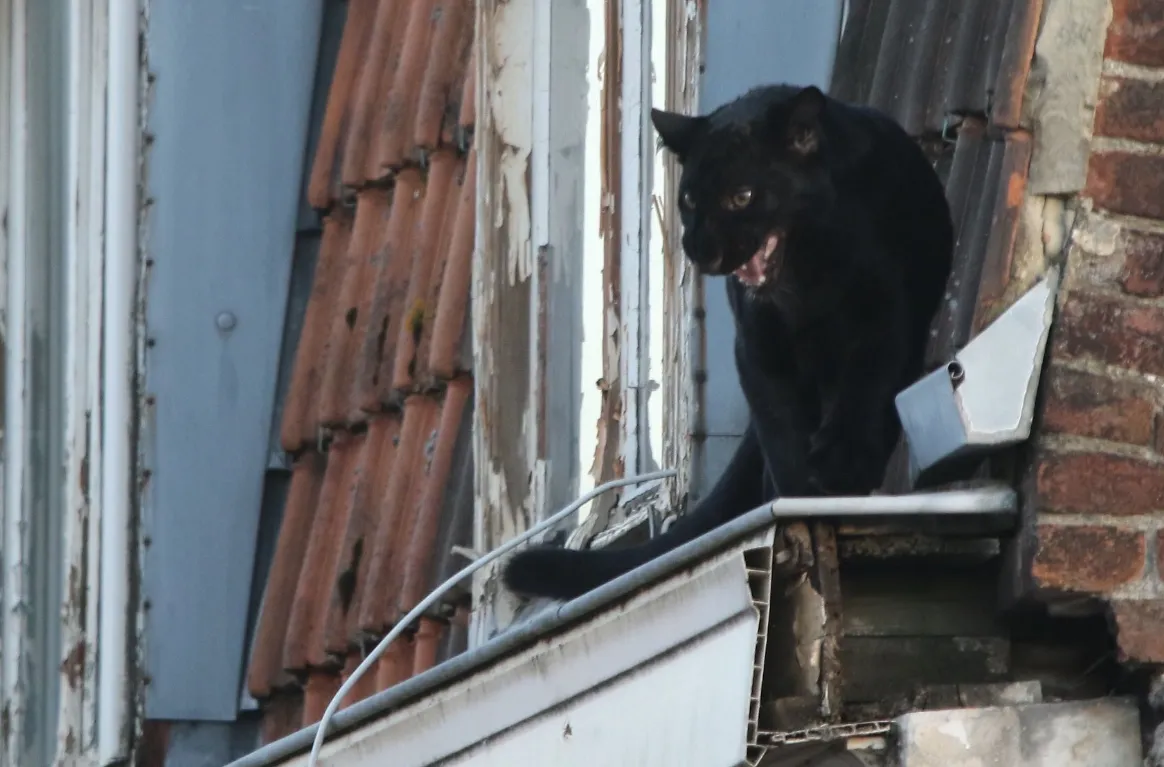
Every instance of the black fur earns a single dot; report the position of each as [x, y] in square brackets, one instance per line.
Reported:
[831, 325]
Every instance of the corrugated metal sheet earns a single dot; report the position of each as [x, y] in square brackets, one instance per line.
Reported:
[927, 61]
[953, 73]
[379, 403]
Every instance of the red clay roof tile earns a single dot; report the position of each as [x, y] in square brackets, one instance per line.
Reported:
[427, 644]
[393, 131]
[372, 385]
[266, 668]
[421, 547]
[300, 412]
[321, 687]
[323, 184]
[307, 627]
[385, 430]
[378, 606]
[365, 686]
[374, 466]
[376, 73]
[451, 285]
[349, 320]
[395, 664]
[442, 90]
[429, 249]
[358, 501]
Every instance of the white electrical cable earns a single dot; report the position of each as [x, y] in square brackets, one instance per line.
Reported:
[439, 591]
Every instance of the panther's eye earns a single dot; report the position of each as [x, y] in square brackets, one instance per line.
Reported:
[740, 200]
[688, 201]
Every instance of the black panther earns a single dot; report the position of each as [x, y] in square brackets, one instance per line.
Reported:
[833, 230]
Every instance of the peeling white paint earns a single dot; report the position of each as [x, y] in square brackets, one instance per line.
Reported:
[503, 260]
[632, 368]
[595, 347]
[76, 734]
[509, 100]
[16, 658]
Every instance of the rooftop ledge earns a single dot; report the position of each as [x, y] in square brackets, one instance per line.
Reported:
[560, 684]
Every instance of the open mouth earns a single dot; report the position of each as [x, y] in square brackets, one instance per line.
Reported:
[754, 271]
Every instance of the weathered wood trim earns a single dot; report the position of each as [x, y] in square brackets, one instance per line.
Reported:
[504, 294]
[683, 336]
[527, 318]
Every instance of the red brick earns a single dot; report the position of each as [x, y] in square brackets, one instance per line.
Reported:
[1111, 329]
[1091, 558]
[1136, 32]
[1127, 183]
[1131, 109]
[1140, 629]
[1089, 405]
[1098, 483]
[1143, 272]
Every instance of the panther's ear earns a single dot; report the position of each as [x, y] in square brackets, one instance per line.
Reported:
[678, 133]
[802, 126]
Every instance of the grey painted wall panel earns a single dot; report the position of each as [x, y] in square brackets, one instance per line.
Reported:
[229, 115]
[211, 744]
[750, 43]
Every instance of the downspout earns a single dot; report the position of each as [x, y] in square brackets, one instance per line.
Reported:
[117, 485]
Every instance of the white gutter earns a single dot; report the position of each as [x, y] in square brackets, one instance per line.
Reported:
[117, 379]
[16, 523]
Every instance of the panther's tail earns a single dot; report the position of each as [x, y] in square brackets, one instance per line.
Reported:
[566, 573]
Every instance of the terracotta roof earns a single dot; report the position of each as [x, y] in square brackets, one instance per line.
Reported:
[378, 409]
[953, 73]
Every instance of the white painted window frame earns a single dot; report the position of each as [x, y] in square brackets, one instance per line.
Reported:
[85, 261]
[520, 203]
[80, 160]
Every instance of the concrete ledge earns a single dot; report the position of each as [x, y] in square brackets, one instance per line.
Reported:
[1103, 733]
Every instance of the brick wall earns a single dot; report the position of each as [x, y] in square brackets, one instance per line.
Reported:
[1098, 478]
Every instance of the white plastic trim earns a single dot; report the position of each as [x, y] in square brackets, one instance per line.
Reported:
[439, 591]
